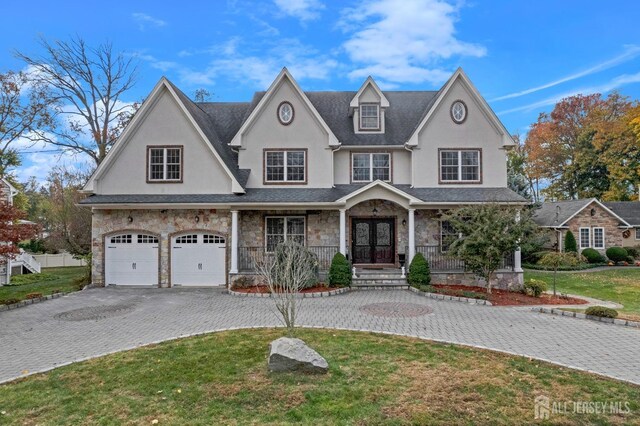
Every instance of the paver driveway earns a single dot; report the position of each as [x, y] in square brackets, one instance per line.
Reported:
[100, 321]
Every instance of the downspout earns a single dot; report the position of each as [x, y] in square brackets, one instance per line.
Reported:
[412, 168]
[333, 172]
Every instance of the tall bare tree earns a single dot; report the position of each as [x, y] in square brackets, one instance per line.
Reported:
[86, 86]
[287, 271]
[23, 106]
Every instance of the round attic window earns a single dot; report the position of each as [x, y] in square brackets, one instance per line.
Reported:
[458, 112]
[285, 113]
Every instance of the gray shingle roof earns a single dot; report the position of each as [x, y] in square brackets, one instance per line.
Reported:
[310, 195]
[628, 210]
[555, 213]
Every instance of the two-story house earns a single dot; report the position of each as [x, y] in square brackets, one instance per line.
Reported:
[194, 193]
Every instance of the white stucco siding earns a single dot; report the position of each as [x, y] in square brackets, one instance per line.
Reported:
[477, 131]
[304, 132]
[165, 124]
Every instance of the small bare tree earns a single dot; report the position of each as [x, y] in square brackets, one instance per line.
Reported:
[287, 271]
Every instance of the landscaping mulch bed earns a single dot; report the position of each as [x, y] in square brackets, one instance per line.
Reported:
[510, 298]
[264, 289]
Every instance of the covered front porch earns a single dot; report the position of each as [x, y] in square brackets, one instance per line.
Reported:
[374, 227]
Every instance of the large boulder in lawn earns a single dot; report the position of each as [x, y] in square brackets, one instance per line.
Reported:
[290, 354]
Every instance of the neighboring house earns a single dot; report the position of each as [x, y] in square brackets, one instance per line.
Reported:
[7, 192]
[630, 212]
[194, 193]
[594, 224]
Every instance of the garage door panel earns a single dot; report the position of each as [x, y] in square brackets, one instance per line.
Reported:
[198, 260]
[131, 259]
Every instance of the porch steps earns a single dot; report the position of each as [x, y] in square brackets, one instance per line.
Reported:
[379, 278]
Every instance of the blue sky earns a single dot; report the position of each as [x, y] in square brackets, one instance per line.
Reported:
[522, 55]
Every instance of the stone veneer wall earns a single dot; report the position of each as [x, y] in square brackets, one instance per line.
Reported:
[153, 221]
[612, 234]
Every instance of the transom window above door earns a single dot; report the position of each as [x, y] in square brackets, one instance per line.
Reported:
[369, 117]
[285, 166]
[164, 164]
[460, 166]
[279, 229]
[367, 167]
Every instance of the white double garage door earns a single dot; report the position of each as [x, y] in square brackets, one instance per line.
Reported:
[197, 259]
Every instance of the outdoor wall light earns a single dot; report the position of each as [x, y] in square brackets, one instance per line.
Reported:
[593, 212]
[404, 222]
[197, 219]
[375, 211]
[129, 219]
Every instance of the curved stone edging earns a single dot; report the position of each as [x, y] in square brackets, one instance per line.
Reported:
[27, 302]
[329, 293]
[437, 296]
[579, 315]
[362, 330]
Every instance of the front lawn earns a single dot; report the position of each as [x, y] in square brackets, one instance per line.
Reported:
[221, 378]
[61, 280]
[617, 285]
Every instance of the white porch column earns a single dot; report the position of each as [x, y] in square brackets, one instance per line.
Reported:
[517, 256]
[343, 231]
[234, 242]
[412, 237]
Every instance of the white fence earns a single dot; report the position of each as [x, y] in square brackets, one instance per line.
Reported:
[58, 260]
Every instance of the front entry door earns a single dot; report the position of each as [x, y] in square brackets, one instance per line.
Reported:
[373, 240]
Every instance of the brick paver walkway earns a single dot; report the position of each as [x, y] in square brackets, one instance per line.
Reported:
[99, 321]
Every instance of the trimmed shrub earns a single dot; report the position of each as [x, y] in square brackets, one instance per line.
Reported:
[340, 271]
[31, 278]
[570, 244]
[242, 282]
[601, 311]
[534, 287]
[633, 252]
[617, 254]
[593, 256]
[428, 288]
[419, 272]
[34, 295]
[9, 301]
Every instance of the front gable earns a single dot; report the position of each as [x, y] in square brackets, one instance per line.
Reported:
[264, 130]
[163, 121]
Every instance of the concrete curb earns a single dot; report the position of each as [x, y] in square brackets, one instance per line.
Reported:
[579, 315]
[329, 293]
[437, 296]
[28, 302]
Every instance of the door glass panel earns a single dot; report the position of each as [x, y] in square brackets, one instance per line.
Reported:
[383, 234]
[362, 234]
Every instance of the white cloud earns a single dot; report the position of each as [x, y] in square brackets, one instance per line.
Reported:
[305, 10]
[145, 21]
[612, 84]
[630, 53]
[404, 41]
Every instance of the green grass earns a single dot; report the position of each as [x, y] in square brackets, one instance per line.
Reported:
[617, 285]
[63, 280]
[221, 378]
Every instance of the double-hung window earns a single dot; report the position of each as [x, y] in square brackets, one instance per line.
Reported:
[637, 233]
[288, 166]
[164, 164]
[447, 235]
[598, 238]
[371, 166]
[460, 165]
[585, 238]
[369, 117]
[279, 229]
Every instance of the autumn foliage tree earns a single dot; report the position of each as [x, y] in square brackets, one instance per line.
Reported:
[12, 230]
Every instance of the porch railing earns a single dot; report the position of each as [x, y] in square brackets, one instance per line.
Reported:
[439, 261]
[249, 256]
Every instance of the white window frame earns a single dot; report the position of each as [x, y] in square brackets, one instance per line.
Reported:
[370, 154]
[593, 238]
[360, 116]
[580, 237]
[460, 166]
[285, 176]
[164, 149]
[266, 218]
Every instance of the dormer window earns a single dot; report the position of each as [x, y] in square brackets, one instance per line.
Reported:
[370, 117]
